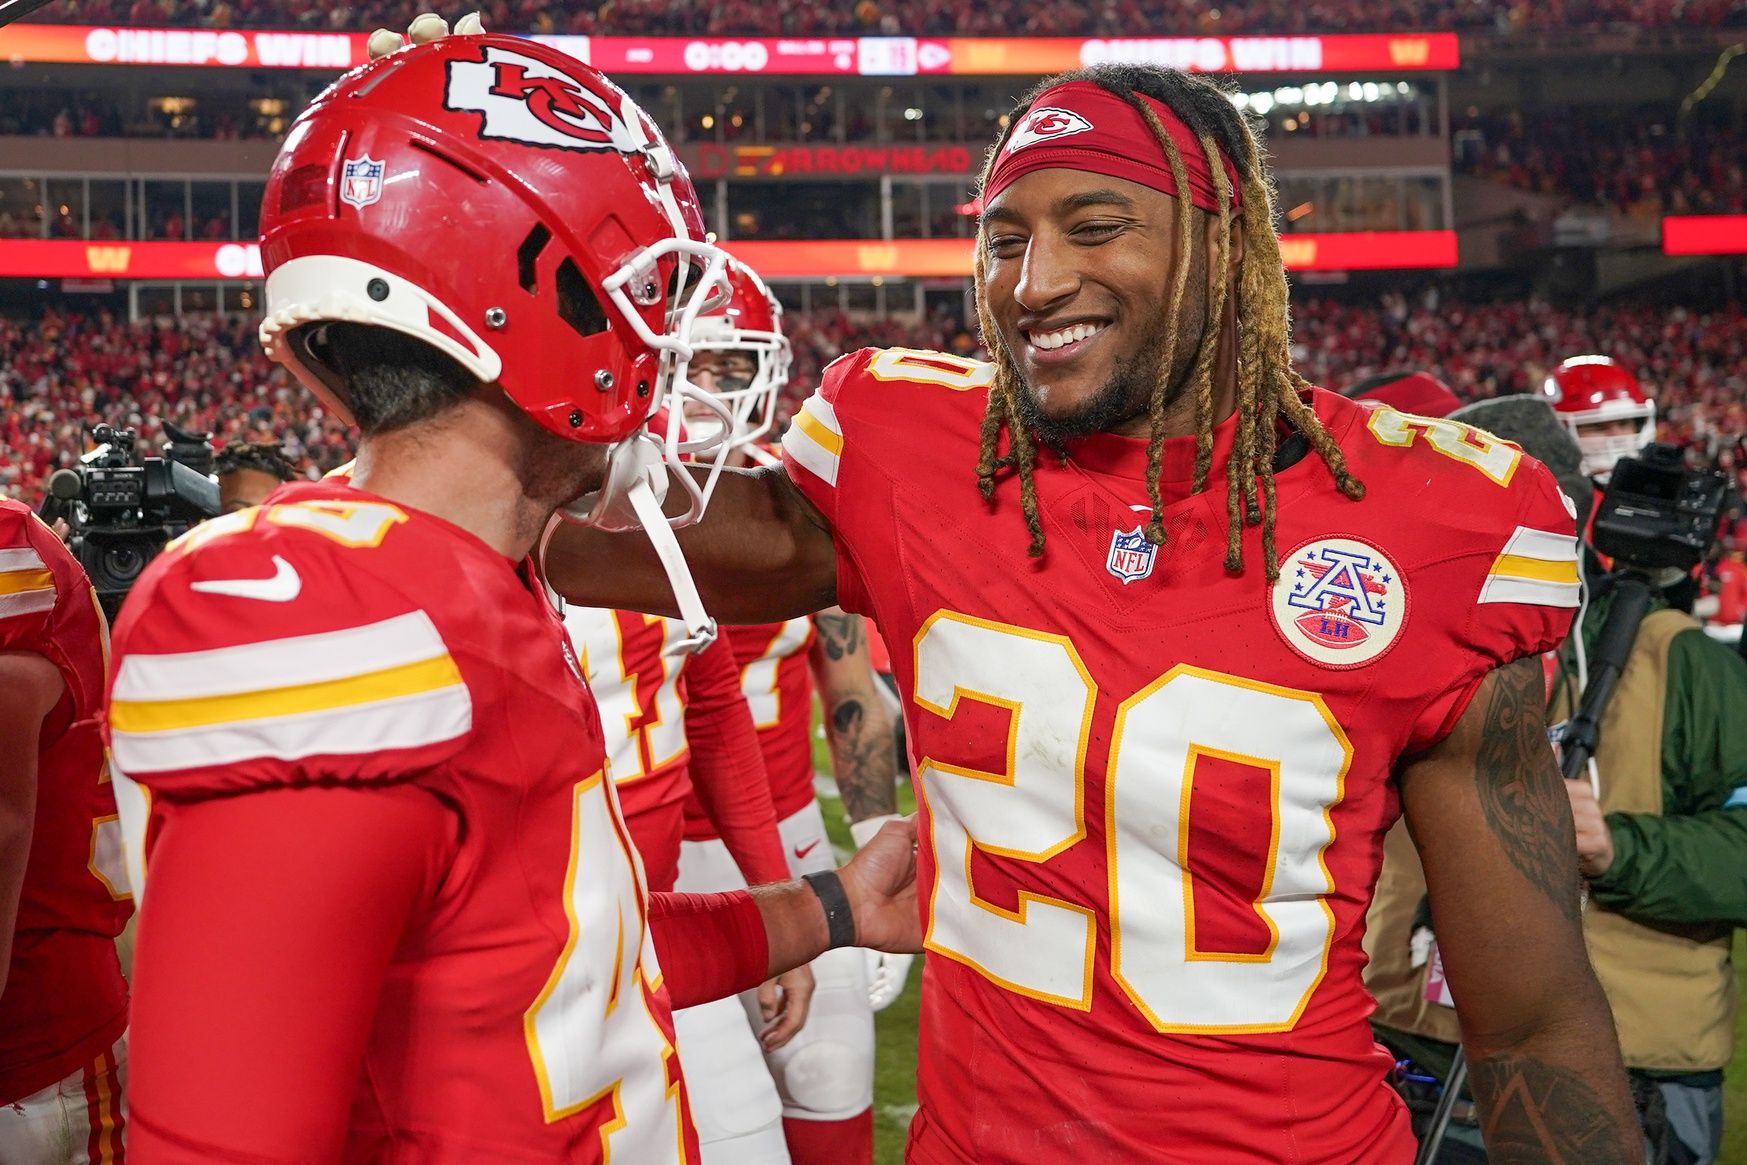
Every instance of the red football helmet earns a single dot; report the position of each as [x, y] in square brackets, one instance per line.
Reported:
[1587, 391]
[750, 322]
[508, 205]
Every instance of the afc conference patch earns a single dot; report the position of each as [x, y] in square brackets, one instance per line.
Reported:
[1339, 602]
[1131, 556]
[360, 181]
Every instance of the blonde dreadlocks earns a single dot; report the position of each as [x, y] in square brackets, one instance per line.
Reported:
[1268, 387]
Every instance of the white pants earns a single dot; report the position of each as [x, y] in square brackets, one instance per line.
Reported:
[824, 1073]
[77, 1121]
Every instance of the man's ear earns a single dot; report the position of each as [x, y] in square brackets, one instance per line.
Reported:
[1237, 243]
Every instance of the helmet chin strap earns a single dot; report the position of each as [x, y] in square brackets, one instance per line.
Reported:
[630, 498]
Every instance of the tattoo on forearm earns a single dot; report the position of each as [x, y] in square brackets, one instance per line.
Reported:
[839, 635]
[863, 760]
[1521, 792]
[1533, 1113]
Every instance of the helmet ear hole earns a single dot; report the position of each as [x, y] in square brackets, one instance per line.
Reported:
[577, 305]
[527, 253]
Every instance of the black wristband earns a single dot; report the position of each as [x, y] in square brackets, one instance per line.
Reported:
[839, 920]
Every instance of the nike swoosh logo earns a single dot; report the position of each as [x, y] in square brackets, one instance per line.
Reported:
[802, 851]
[284, 586]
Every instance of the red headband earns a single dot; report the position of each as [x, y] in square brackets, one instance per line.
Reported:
[1083, 126]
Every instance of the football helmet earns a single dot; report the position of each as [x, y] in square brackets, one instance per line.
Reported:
[505, 203]
[1592, 390]
[749, 322]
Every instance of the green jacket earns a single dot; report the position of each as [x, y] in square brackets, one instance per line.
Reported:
[1688, 866]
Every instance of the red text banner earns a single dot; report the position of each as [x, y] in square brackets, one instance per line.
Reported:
[867, 56]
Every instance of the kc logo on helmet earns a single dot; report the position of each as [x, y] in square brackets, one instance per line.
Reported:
[1339, 602]
[529, 101]
[1046, 124]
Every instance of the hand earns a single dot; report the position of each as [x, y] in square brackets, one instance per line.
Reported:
[425, 28]
[1595, 841]
[783, 1002]
[887, 973]
[880, 882]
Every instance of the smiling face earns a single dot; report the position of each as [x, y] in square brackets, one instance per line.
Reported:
[1077, 272]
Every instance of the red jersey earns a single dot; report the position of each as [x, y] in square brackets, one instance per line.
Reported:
[776, 676]
[655, 702]
[1154, 793]
[331, 640]
[65, 998]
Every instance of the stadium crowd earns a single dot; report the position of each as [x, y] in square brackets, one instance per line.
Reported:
[207, 372]
[200, 373]
[1637, 162]
[921, 17]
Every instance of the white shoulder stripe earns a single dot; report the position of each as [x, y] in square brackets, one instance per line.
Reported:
[818, 460]
[1535, 592]
[821, 409]
[20, 558]
[27, 602]
[280, 663]
[422, 718]
[1528, 542]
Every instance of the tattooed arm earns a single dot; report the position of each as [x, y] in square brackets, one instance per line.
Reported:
[857, 721]
[1489, 815]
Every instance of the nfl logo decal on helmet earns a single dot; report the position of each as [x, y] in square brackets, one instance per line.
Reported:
[1131, 556]
[1339, 602]
[361, 182]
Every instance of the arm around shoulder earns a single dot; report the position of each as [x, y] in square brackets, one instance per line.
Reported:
[761, 553]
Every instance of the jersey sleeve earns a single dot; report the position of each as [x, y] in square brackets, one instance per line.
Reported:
[256, 663]
[302, 896]
[727, 765]
[1519, 582]
[821, 461]
[29, 588]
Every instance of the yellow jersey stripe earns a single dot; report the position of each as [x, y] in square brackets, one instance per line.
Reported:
[295, 661]
[14, 582]
[1545, 570]
[387, 684]
[813, 427]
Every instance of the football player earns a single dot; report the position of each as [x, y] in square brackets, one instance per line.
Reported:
[63, 888]
[824, 1075]
[1604, 408]
[678, 728]
[381, 844]
[248, 471]
[1171, 672]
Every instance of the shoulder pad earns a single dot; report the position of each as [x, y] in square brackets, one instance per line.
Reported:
[270, 650]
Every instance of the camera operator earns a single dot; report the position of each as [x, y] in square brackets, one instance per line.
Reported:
[63, 891]
[119, 514]
[1663, 846]
[247, 471]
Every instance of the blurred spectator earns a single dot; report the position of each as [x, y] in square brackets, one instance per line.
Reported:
[1635, 162]
[198, 372]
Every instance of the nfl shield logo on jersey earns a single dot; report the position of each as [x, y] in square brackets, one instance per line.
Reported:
[1339, 602]
[1131, 555]
[361, 182]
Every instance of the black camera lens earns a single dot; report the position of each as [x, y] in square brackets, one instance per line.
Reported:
[122, 564]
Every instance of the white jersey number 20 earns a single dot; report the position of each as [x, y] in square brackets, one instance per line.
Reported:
[1164, 732]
